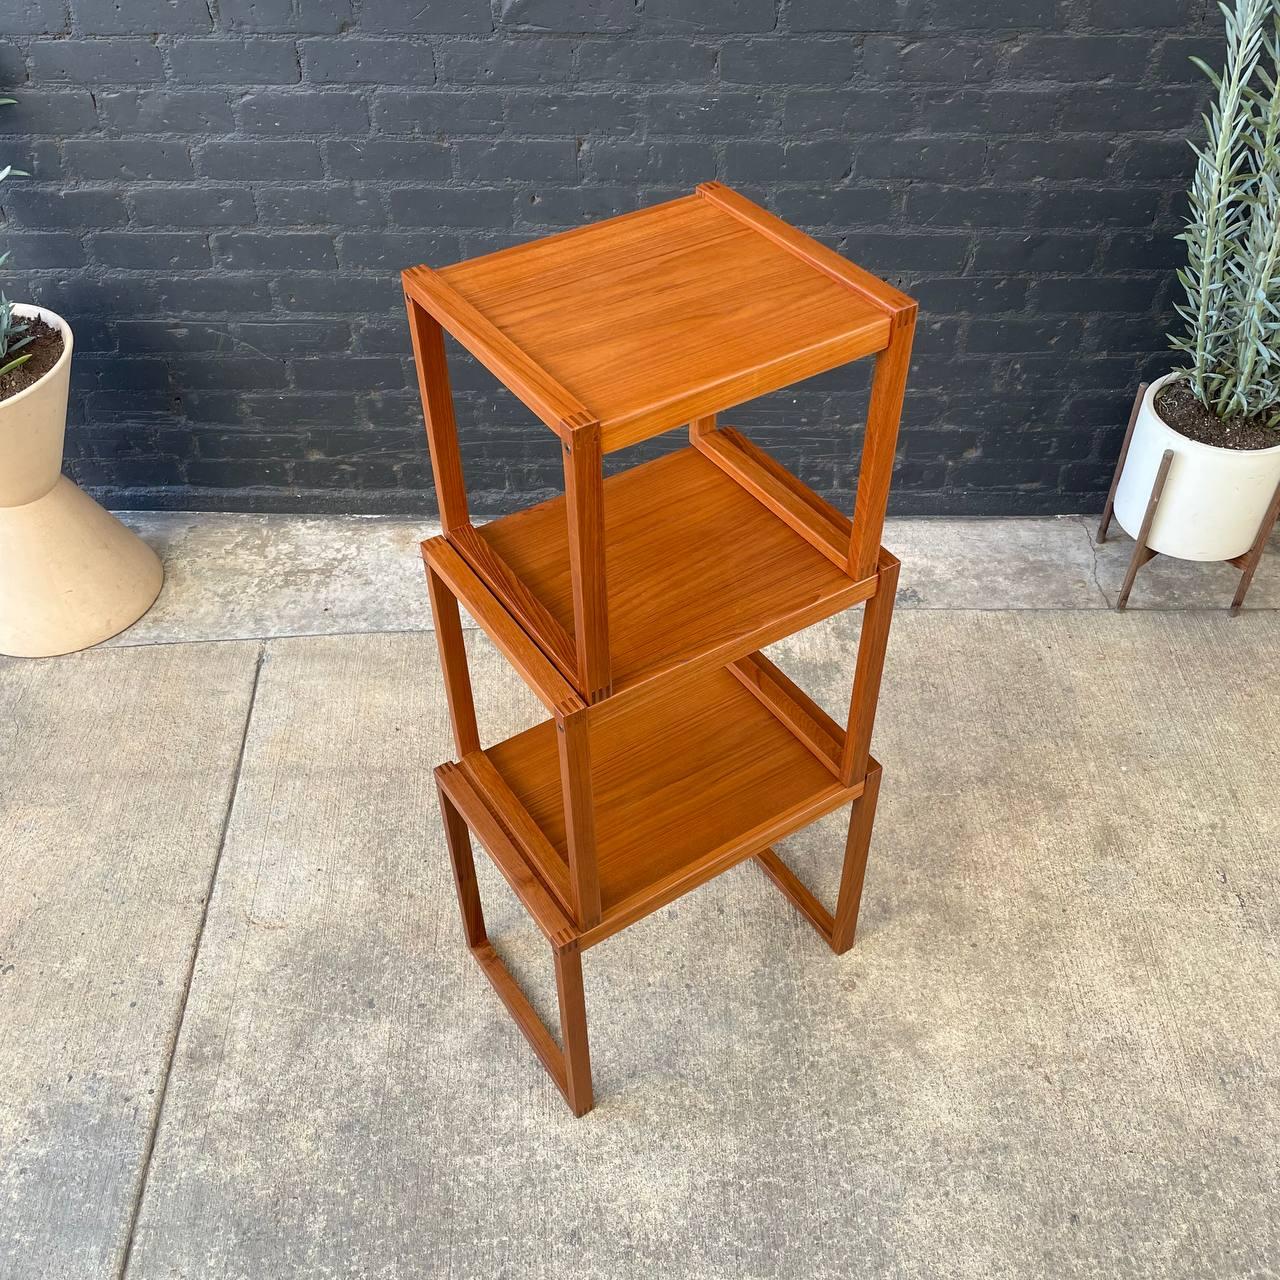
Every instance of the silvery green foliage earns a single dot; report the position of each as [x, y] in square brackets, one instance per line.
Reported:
[13, 333]
[13, 336]
[1232, 277]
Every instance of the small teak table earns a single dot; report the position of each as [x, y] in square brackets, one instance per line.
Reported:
[635, 607]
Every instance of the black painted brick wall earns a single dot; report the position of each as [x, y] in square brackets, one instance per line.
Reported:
[224, 190]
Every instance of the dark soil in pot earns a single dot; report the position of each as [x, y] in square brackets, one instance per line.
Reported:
[1176, 403]
[44, 348]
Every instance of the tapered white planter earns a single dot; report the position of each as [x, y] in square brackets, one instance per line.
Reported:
[71, 574]
[1214, 500]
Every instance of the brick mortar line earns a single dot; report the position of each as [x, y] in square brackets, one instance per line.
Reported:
[971, 275]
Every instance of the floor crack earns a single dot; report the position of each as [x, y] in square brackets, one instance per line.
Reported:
[233, 791]
[1085, 523]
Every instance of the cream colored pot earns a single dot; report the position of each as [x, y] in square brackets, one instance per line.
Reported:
[1214, 499]
[70, 573]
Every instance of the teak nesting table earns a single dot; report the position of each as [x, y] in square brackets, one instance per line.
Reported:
[635, 606]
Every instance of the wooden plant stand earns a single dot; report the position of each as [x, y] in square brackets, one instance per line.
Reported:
[673, 748]
[1247, 562]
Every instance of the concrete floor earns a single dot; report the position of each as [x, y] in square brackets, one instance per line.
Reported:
[234, 577]
[242, 1038]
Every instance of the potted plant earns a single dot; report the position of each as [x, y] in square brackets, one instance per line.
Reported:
[70, 573]
[1220, 415]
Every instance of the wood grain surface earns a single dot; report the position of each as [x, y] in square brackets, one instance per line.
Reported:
[651, 320]
[714, 576]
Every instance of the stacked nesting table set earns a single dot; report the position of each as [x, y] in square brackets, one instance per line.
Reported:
[635, 607]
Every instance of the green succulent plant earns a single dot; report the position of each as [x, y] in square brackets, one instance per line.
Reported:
[14, 332]
[1232, 276]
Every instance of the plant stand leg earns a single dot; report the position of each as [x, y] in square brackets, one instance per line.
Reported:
[1109, 510]
[570, 1066]
[1252, 558]
[1141, 552]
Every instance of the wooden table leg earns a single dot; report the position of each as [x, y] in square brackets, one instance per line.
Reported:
[872, 645]
[1109, 509]
[862, 818]
[458, 839]
[1141, 552]
[453, 661]
[584, 503]
[837, 930]
[569, 1063]
[573, 1030]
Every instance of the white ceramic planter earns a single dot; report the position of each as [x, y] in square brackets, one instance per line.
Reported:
[70, 573]
[1214, 499]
